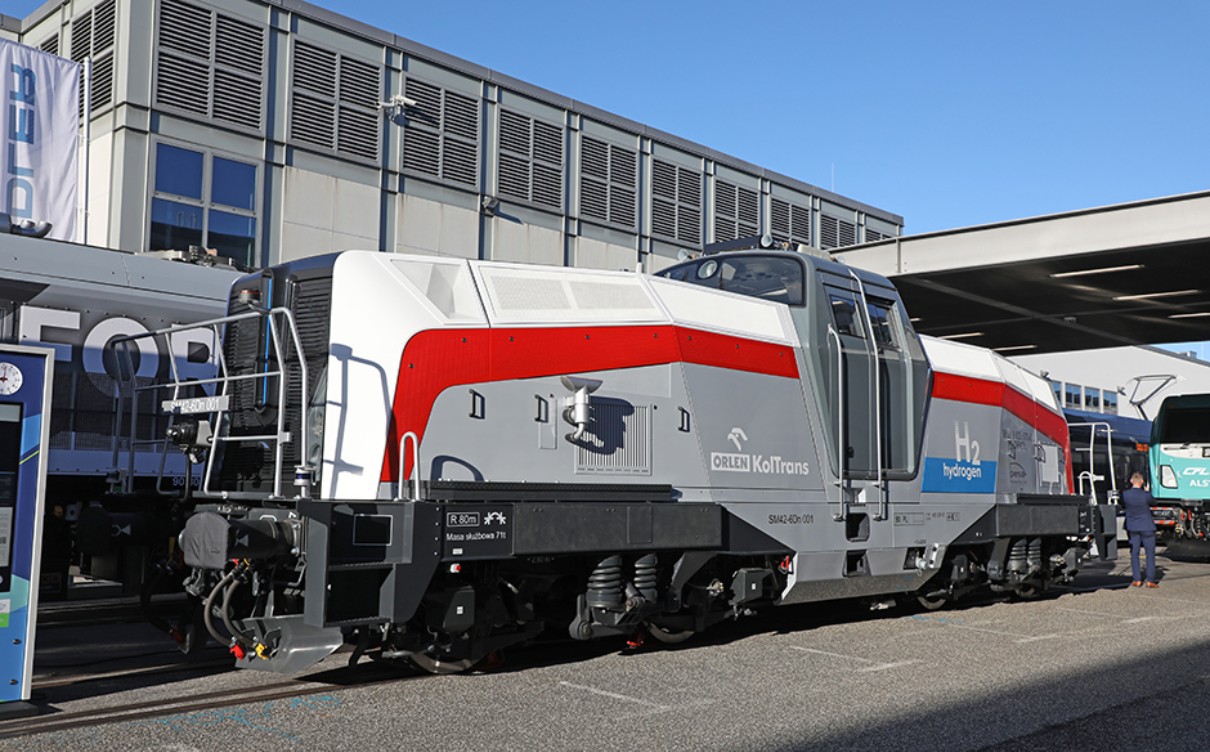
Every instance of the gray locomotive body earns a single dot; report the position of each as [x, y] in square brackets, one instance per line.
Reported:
[436, 458]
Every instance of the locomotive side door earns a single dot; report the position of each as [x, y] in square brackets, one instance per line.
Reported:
[876, 381]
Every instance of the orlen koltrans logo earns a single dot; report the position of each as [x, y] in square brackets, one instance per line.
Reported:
[740, 461]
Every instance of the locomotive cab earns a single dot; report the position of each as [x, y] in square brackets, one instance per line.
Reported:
[868, 368]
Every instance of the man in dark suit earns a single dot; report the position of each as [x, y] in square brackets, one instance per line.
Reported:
[1141, 528]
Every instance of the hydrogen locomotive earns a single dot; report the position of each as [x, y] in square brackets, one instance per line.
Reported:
[434, 458]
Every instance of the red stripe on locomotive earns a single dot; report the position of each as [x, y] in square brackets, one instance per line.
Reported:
[437, 359]
[999, 394]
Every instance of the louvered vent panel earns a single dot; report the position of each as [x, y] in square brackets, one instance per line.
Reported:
[184, 83]
[461, 116]
[724, 211]
[314, 70]
[239, 45]
[422, 152]
[724, 198]
[311, 121]
[103, 27]
[185, 28]
[663, 217]
[594, 199]
[460, 162]
[237, 99]
[663, 180]
[548, 143]
[102, 82]
[622, 205]
[689, 187]
[619, 442]
[81, 37]
[689, 225]
[360, 83]
[829, 231]
[800, 224]
[427, 109]
[748, 212]
[779, 219]
[514, 132]
[873, 236]
[358, 132]
[594, 158]
[623, 166]
[548, 186]
[848, 233]
[514, 177]
[50, 45]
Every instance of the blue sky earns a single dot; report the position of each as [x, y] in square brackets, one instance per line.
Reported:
[947, 113]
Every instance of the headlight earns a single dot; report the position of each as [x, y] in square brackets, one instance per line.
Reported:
[1167, 477]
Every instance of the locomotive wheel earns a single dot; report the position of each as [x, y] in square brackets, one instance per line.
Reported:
[933, 602]
[438, 664]
[1028, 590]
[669, 636]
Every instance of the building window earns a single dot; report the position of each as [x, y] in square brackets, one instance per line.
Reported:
[206, 200]
[1074, 396]
[1110, 402]
[1092, 399]
[1057, 388]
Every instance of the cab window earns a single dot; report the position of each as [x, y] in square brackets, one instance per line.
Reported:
[766, 277]
[844, 314]
[881, 323]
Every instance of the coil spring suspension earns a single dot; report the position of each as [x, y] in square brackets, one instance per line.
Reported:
[605, 584]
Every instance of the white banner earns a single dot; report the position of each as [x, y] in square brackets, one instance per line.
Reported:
[40, 125]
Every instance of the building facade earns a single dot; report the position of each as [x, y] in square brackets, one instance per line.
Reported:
[273, 129]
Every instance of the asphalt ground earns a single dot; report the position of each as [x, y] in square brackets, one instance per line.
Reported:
[1097, 665]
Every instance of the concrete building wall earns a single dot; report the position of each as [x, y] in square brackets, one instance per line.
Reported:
[1145, 375]
[467, 162]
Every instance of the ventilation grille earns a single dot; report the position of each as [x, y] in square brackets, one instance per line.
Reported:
[50, 45]
[790, 222]
[334, 103]
[441, 134]
[618, 441]
[531, 160]
[211, 66]
[549, 295]
[835, 232]
[676, 203]
[872, 236]
[736, 211]
[93, 35]
[608, 187]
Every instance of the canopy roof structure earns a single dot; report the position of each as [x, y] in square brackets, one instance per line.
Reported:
[1128, 274]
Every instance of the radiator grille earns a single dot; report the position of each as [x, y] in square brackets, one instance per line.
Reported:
[618, 441]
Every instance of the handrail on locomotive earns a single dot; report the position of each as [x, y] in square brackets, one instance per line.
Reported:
[216, 406]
